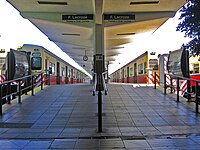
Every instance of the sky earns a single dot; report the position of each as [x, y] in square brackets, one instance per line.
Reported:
[16, 31]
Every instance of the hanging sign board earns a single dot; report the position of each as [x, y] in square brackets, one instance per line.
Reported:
[119, 17]
[78, 18]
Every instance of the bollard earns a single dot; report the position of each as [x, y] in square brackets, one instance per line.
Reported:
[178, 89]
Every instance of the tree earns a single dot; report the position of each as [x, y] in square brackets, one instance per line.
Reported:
[190, 25]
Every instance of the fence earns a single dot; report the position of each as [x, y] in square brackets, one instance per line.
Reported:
[185, 88]
[10, 89]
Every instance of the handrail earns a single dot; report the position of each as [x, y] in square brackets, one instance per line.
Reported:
[10, 81]
[19, 91]
[177, 87]
[184, 78]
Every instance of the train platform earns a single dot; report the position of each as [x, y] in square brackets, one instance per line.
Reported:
[65, 117]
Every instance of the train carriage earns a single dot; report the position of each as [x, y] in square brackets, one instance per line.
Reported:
[43, 60]
[140, 70]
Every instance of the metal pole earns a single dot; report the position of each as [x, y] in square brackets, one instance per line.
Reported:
[165, 86]
[188, 90]
[32, 85]
[9, 92]
[1, 99]
[48, 78]
[99, 106]
[154, 80]
[178, 88]
[19, 92]
[26, 85]
[9, 72]
[197, 99]
[171, 85]
[41, 81]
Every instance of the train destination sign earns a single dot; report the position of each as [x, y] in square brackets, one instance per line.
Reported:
[78, 18]
[119, 17]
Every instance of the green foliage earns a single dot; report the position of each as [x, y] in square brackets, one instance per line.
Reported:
[190, 25]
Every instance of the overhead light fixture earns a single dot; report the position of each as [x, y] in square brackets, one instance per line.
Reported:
[126, 33]
[52, 3]
[144, 2]
[71, 34]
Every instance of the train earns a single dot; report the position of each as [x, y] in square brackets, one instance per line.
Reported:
[150, 65]
[35, 59]
[139, 70]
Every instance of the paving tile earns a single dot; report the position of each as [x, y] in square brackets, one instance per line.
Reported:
[134, 118]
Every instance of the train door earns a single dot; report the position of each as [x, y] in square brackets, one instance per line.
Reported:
[135, 73]
[58, 73]
[127, 74]
[66, 74]
[122, 75]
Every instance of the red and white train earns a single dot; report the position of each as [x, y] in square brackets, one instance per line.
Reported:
[34, 59]
[142, 70]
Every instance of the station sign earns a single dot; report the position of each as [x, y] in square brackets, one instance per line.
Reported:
[78, 18]
[119, 17]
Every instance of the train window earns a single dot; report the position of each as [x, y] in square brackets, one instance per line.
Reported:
[196, 68]
[68, 73]
[131, 71]
[36, 63]
[2, 61]
[140, 69]
[63, 71]
[52, 65]
[145, 66]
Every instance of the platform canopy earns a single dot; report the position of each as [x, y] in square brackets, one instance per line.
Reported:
[70, 24]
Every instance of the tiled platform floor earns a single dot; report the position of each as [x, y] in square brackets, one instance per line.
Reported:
[65, 117]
